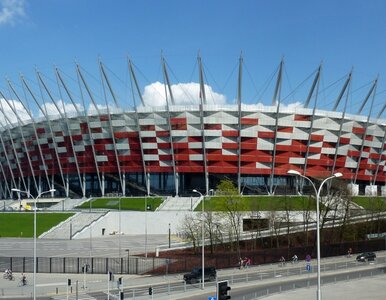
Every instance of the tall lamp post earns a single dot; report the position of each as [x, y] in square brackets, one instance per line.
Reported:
[35, 208]
[203, 239]
[317, 193]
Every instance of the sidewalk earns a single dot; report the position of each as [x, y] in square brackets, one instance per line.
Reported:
[55, 284]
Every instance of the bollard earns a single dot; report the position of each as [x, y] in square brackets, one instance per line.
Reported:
[56, 291]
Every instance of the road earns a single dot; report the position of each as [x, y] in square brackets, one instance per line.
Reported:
[245, 283]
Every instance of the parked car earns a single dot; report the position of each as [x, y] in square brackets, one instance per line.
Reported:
[366, 256]
[196, 274]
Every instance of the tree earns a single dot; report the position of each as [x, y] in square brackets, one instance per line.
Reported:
[213, 229]
[234, 207]
[190, 229]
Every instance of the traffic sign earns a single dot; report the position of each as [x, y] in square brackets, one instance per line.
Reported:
[212, 298]
[308, 268]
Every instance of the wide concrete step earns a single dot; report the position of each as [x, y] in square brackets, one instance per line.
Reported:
[68, 228]
[179, 203]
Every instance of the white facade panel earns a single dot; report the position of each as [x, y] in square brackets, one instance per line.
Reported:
[196, 157]
[297, 160]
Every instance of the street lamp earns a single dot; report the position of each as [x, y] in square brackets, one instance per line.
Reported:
[35, 208]
[317, 193]
[119, 229]
[203, 239]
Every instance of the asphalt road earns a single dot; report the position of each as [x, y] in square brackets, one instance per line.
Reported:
[245, 283]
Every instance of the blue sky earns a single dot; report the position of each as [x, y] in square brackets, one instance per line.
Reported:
[342, 34]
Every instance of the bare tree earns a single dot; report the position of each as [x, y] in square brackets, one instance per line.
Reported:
[307, 216]
[234, 208]
[190, 229]
[213, 229]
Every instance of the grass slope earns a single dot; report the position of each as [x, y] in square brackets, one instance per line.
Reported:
[138, 204]
[22, 224]
[260, 203]
[371, 203]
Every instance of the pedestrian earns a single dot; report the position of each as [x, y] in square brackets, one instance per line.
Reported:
[247, 262]
[23, 279]
[282, 261]
[294, 259]
[241, 263]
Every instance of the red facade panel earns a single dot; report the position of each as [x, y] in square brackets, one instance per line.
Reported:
[249, 121]
[358, 130]
[230, 133]
[266, 135]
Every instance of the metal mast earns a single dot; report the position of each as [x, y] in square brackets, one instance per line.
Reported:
[169, 88]
[61, 82]
[104, 76]
[276, 101]
[346, 86]
[202, 103]
[133, 79]
[315, 84]
[239, 151]
[372, 91]
[80, 77]
[24, 143]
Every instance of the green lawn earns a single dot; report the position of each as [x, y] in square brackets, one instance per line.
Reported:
[371, 203]
[21, 224]
[261, 203]
[138, 204]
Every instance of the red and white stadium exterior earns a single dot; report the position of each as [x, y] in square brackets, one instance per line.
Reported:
[171, 141]
[175, 149]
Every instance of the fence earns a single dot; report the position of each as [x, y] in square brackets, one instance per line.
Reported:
[93, 265]
[296, 277]
[155, 265]
[264, 256]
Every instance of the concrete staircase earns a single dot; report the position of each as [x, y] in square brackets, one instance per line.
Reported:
[179, 204]
[67, 204]
[71, 226]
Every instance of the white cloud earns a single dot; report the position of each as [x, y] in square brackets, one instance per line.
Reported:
[11, 117]
[52, 110]
[183, 94]
[11, 11]
[293, 105]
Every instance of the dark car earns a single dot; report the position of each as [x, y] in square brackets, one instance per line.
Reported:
[196, 274]
[366, 256]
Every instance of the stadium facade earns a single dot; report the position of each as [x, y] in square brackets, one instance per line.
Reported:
[174, 149]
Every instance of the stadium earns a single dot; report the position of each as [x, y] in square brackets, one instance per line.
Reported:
[174, 148]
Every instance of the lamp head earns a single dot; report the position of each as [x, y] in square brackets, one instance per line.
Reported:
[15, 190]
[52, 190]
[195, 191]
[338, 174]
[293, 172]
